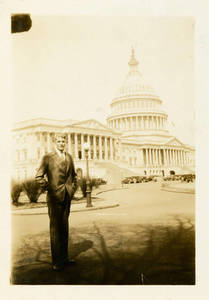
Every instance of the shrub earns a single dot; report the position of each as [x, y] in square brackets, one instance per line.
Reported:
[32, 190]
[16, 189]
[94, 182]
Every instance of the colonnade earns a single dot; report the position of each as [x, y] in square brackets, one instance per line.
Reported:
[102, 147]
[166, 157]
[138, 122]
[145, 104]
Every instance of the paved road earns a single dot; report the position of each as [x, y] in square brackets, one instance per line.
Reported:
[139, 203]
[150, 233]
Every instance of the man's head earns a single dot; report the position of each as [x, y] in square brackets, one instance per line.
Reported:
[60, 141]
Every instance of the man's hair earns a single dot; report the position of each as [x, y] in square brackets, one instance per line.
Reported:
[60, 135]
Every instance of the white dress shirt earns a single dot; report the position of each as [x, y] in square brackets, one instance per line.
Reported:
[60, 154]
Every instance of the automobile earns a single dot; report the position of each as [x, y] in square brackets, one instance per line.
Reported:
[125, 180]
[187, 177]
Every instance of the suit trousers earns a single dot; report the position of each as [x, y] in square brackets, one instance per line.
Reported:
[58, 215]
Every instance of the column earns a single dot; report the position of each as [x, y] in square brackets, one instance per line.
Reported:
[175, 156]
[186, 158]
[105, 144]
[160, 158]
[167, 157]
[48, 142]
[147, 157]
[181, 157]
[164, 158]
[82, 148]
[150, 156]
[130, 123]
[69, 145]
[156, 158]
[95, 147]
[178, 155]
[137, 122]
[88, 141]
[42, 144]
[172, 157]
[76, 145]
[100, 147]
[119, 149]
[142, 123]
[111, 149]
[153, 157]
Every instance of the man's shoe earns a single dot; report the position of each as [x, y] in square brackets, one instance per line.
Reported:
[69, 262]
[57, 268]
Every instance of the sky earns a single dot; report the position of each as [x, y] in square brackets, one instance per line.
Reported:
[70, 67]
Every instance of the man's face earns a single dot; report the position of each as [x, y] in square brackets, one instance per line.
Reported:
[60, 143]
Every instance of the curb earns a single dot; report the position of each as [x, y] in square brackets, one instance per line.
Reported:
[96, 208]
[177, 190]
[72, 211]
[116, 189]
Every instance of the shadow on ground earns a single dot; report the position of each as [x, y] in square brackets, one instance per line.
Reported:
[112, 255]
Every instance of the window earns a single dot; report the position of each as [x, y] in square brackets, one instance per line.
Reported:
[25, 154]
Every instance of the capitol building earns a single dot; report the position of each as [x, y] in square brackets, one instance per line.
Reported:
[135, 140]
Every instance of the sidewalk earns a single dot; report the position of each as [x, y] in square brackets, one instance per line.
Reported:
[179, 187]
[75, 207]
[98, 203]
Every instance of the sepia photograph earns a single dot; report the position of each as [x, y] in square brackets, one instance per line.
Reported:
[103, 150]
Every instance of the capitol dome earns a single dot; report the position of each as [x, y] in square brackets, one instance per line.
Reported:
[136, 108]
[134, 83]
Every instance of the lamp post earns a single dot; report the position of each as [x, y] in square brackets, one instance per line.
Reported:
[86, 147]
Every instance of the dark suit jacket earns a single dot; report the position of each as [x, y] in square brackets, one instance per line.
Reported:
[60, 176]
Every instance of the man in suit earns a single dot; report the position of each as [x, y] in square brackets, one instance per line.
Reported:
[56, 174]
